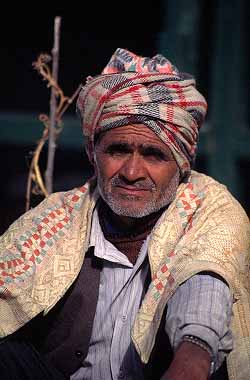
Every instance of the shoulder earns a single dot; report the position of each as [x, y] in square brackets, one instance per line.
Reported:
[56, 208]
[201, 181]
[210, 189]
[205, 201]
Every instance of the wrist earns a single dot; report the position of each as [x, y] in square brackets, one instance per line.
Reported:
[190, 362]
[203, 345]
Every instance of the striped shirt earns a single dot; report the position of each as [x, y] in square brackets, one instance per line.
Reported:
[111, 354]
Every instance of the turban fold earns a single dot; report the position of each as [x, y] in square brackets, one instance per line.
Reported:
[150, 91]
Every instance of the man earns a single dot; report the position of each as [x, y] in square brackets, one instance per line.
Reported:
[142, 272]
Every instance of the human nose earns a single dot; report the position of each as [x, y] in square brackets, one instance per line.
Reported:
[133, 169]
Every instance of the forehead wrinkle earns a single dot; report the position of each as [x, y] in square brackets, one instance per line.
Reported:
[141, 147]
[126, 135]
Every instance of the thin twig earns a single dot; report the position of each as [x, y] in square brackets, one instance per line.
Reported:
[68, 102]
[34, 171]
[38, 176]
[28, 189]
[42, 65]
[53, 108]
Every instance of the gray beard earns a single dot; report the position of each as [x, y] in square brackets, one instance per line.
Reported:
[152, 206]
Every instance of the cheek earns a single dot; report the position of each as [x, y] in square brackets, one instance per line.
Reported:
[106, 168]
[163, 176]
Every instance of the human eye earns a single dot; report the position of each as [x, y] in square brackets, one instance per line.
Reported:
[118, 149]
[154, 154]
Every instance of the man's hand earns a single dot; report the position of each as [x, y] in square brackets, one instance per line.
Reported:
[190, 363]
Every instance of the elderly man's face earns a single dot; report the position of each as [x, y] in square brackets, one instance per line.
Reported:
[136, 173]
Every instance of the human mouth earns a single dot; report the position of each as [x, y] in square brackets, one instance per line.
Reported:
[132, 190]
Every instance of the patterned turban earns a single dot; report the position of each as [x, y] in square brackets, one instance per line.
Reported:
[150, 91]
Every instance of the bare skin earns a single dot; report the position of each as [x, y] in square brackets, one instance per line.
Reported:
[190, 363]
[136, 172]
[136, 176]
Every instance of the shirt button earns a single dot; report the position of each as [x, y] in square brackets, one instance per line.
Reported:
[121, 374]
[78, 354]
[124, 318]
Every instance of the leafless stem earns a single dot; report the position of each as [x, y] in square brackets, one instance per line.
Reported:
[67, 102]
[28, 189]
[59, 103]
[34, 171]
[53, 109]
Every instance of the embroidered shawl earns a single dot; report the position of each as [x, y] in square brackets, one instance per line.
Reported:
[204, 228]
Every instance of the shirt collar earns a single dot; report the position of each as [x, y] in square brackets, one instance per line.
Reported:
[106, 250]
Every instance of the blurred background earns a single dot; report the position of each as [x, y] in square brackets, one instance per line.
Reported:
[209, 39]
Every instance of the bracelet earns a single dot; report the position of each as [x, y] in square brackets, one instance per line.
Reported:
[199, 342]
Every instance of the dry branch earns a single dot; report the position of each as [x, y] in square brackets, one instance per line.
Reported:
[53, 109]
[59, 105]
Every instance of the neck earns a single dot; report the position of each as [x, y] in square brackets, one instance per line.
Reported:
[124, 222]
[124, 225]
[126, 234]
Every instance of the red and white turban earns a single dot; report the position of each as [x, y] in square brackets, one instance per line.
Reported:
[150, 91]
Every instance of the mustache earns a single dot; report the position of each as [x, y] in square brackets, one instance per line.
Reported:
[140, 185]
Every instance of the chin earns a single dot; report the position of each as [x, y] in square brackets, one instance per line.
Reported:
[130, 206]
[130, 211]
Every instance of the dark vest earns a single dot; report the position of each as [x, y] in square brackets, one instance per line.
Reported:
[63, 335]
